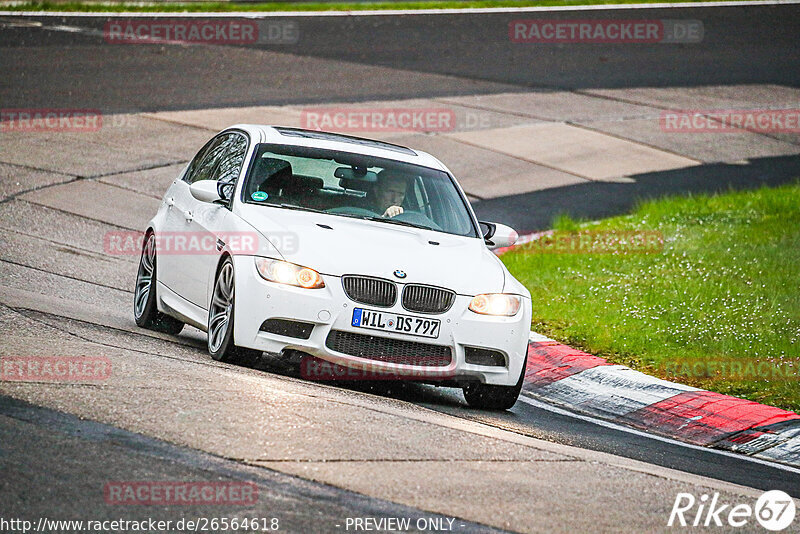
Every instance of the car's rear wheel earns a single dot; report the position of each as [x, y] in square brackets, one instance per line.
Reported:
[220, 320]
[491, 397]
[145, 309]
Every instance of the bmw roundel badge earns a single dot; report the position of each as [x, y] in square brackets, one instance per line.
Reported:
[400, 274]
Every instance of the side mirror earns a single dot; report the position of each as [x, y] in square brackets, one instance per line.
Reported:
[498, 235]
[225, 190]
[206, 190]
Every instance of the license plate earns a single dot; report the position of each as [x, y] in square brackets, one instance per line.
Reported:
[392, 322]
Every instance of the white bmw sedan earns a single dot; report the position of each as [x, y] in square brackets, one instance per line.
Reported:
[359, 253]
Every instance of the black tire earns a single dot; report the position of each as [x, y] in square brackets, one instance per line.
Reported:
[220, 321]
[145, 310]
[490, 397]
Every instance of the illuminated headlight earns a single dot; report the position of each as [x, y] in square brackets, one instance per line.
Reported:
[284, 272]
[496, 304]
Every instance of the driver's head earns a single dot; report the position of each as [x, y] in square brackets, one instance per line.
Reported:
[390, 189]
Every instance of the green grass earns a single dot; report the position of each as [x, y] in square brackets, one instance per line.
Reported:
[725, 288]
[298, 6]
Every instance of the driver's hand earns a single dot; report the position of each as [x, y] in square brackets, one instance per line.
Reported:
[392, 211]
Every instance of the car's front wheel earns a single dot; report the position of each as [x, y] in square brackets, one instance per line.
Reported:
[145, 310]
[491, 397]
[220, 320]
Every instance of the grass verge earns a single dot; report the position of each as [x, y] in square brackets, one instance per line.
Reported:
[718, 307]
[162, 7]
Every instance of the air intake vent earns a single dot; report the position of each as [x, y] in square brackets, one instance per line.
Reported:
[285, 327]
[491, 358]
[370, 291]
[427, 299]
[389, 350]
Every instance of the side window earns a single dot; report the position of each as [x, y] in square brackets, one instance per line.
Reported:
[204, 170]
[190, 171]
[233, 150]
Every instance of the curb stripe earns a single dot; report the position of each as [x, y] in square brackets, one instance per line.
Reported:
[609, 391]
[705, 417]
[550, 361]
[620, 427]
[785, 447]
[779, 442]
[584, 383]
[537, 338]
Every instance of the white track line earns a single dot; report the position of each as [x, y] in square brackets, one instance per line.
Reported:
[621, 428]
[535, 337]
[384, 12]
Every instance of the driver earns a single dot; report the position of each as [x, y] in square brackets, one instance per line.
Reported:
[389, 193]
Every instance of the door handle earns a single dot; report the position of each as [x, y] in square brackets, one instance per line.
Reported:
[170, 202]
[188, 216]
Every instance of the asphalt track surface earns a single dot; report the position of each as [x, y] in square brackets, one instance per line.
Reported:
[406, 56]
[65, 62]
[98, 453]
[533, 421]
[412, 56]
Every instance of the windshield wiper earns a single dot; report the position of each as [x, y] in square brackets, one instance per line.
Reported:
[395, 221]
[362, 217]
[296, 207]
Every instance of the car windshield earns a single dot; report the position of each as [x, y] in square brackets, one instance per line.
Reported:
[355, 185]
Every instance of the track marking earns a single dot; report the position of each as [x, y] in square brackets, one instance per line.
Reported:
[378, 12]
[535, 337]
[607, 424]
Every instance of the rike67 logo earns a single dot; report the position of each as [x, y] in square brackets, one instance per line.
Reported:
[774, 510]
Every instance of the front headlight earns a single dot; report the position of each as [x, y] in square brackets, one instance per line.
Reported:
[284, 272]
[496, 304]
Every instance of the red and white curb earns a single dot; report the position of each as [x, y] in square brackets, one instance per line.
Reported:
[779, 442]
[583, 383]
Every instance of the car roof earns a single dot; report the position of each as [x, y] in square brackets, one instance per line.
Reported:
[334, 141]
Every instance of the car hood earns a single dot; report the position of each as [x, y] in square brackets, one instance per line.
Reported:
[353, 246]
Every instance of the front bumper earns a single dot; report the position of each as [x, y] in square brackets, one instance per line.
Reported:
[329, 309]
